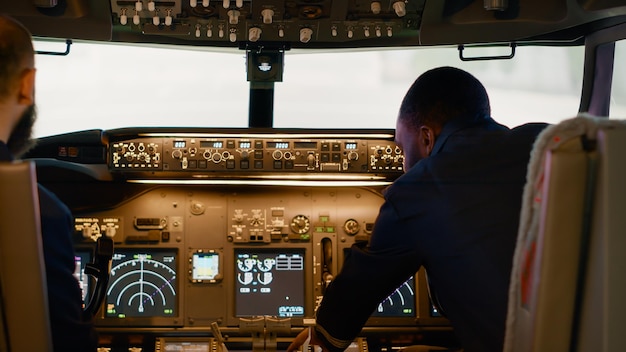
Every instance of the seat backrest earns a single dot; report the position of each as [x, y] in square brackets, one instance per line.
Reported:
[24, 318]
[568, 282]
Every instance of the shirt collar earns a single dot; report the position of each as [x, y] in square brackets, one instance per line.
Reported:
[455, 125]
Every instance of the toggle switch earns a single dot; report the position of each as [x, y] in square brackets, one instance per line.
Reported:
[123, 18]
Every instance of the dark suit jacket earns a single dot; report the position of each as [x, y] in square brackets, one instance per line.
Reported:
[69, 331]
[456, 213]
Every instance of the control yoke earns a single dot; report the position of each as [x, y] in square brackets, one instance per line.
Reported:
[100, 269]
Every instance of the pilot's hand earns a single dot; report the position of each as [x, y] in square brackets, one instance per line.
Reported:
[306, 337]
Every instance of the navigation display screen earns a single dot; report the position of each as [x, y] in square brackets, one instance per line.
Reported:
[142, 284]
[269, 282]
[401, 303]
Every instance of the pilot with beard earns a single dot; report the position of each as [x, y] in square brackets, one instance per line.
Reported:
[70, 331]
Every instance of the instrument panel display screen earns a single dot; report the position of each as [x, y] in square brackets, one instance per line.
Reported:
[205, 267]
[142, 284]
[269, 282]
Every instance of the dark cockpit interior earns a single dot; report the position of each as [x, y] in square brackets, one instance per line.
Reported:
[233, 234]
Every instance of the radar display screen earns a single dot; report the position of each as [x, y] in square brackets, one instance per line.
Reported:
[142, 284]
[269, 282]
[401, 303]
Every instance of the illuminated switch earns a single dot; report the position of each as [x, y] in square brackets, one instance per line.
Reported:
[325, 157]
[336, 157]
[278, 164]
[288, 164]
[258, 164]
[230, 164]
[258, 154]
[202, 164]
[244, 164]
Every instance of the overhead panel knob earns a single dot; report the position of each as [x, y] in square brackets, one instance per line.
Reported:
[138, 6]
[375, 7]
[239, 3]
[233, 16]
[193, 3]
[226, 4]
[400, 8]
[205, 3]
[267, 15]
[151, 6]
[305, 35]
[136, 18]
[254, 34]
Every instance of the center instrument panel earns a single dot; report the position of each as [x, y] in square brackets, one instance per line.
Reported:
[228, 233]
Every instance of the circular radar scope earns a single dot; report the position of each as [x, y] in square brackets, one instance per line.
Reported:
[401, 303]
[142, 285]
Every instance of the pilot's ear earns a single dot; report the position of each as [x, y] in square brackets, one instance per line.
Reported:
[26, 93]
[427, 138]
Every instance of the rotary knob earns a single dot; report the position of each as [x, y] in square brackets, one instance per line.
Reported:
[300, 224]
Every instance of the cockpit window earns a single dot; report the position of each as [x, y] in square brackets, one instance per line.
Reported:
[618, 90]
[104, 86]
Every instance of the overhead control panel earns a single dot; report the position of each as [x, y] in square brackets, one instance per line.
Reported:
[293, 23]
[364, 156]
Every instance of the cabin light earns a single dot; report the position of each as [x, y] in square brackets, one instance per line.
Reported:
[496, 5]
[268, 182]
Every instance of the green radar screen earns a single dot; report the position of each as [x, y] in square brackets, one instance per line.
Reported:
[142, 284]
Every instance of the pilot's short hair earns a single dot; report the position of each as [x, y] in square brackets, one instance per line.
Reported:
[441, 94]
[16, 53]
